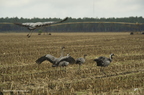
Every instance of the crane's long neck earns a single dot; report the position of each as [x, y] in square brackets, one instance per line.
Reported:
[68, 54]
[111, 56]
[62, 52]
[84, 56]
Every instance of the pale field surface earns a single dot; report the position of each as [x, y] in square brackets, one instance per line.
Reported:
[124, 76]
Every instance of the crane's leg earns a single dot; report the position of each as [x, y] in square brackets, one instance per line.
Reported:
[38, 66]
[29, 34]
[79, 67]
[60, 68]
[65, 68]
[102, 70]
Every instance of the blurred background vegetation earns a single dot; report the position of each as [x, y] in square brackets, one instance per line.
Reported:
[7, 26]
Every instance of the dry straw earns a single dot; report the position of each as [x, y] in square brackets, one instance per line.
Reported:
[19, 70]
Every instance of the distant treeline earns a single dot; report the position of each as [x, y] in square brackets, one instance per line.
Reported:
[6, 26]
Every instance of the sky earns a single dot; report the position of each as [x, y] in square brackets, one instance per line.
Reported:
[71, 8]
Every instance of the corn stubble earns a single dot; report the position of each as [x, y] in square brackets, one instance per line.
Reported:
[20, 72]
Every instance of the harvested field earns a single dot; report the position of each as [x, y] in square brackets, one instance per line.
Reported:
[19, 72]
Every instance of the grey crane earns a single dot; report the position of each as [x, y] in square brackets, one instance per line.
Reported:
[55, 61]
[104, 61]
[63, 64]
[81, 60]
[67, 58]
[63, 61]
[33, 26]
[50, 58]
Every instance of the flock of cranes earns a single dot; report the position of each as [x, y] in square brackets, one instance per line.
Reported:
[64, 61]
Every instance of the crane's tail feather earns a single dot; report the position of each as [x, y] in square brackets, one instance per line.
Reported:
[41, 59]
[98, 62]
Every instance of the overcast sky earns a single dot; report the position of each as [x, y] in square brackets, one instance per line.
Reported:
[71, 8]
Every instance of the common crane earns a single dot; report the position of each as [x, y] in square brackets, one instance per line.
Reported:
[67, 58]
[63, 64]
[55, 61]
[49, 57]
[63, 61]
[104, 61]
[81, 60]
[33, 26]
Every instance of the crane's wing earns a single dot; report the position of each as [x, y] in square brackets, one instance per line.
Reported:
[69, 59]
[25, 24]
[39, 24]
[106, 62]
[48, 57]
[50, 23]
[102, 61]
[99, 61]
